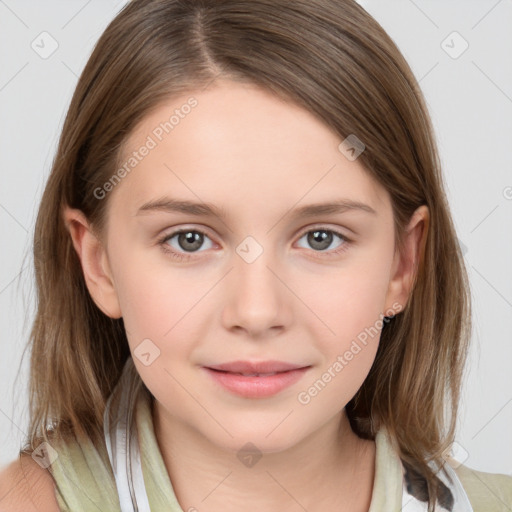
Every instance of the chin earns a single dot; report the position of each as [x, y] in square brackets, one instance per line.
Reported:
[267, 437]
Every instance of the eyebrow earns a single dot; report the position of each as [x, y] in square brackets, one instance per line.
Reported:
[167, 204]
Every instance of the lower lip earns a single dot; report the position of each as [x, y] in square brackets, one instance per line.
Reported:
[256, 387]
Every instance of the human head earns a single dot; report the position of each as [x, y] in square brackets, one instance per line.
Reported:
[329, 58]
[249, 290]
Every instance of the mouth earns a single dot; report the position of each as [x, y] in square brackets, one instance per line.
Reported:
[251, 374]
[257, 367]
[255, 384]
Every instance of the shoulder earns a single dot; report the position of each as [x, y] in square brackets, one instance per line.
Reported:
[26, 487]
[486, 491]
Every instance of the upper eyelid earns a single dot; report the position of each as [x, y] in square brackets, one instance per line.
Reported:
[323, 227]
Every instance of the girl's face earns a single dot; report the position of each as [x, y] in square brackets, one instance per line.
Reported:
[261, 274]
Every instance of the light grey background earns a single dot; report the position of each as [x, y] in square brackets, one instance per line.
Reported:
[470, 101]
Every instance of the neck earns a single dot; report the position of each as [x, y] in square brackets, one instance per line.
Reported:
[332, 467]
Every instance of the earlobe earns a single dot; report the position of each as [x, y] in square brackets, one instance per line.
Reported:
[93, 259]
[406, 264]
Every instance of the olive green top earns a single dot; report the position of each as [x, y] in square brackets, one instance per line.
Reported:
[84, 480]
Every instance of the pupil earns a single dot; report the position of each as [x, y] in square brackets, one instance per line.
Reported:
[192, 238]
[318, 239]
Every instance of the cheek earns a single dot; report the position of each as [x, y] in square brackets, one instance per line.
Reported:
[349, 307]
[349, 300]
[157, 318]
[334, 385]
[352, 311]
[147, 304]
[163, 304]
[151, 296]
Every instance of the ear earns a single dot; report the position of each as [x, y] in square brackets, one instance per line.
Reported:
[405, 264]
[94, 261]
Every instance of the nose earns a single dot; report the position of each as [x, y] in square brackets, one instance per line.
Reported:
[256, 300]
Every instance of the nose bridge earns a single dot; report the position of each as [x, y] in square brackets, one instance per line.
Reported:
[257, 297]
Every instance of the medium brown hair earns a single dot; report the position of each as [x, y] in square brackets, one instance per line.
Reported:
[333, 59]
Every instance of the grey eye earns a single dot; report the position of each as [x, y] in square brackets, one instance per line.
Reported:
[320, 239]
[187, 240]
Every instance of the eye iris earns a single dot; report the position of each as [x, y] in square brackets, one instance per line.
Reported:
[190, 237]
[320, 237]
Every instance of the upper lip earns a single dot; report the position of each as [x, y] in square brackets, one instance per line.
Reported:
[256, 367]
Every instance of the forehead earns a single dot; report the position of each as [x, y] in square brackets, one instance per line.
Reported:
[237, 144]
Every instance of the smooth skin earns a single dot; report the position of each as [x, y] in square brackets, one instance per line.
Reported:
[301, 300]
[27, 487]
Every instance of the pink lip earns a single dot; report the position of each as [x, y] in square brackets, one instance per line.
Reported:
[256, 367]
[256, 386]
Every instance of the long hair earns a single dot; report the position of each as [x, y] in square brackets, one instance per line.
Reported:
[327, 56]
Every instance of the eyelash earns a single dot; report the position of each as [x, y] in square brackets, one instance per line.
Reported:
[184, 257]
